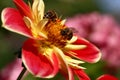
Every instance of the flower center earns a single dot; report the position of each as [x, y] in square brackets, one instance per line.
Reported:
[53, 30]
[57, 33]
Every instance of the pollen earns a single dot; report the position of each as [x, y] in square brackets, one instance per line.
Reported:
[53, 30]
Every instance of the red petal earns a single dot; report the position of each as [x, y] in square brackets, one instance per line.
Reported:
[64, 67]
[37, 63]
[90, 53]
[67, 72]
[23, 8]
[13, 21]
[81, 74]
[107, 77]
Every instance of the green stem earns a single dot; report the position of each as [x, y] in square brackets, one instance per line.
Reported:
[21, 74]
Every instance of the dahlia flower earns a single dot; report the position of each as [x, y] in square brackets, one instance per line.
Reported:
[51, 46]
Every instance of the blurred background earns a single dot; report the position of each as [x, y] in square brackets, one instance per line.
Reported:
[96, 20]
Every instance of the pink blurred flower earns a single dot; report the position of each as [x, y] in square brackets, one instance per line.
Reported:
[102, 30]
[12, 70]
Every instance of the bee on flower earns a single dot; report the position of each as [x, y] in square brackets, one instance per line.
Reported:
[52, 46]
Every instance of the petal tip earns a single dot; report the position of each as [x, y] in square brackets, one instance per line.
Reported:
[2, 16]
[98, 57]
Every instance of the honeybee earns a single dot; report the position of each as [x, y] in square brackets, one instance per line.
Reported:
[51, 15]
[67, 33]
